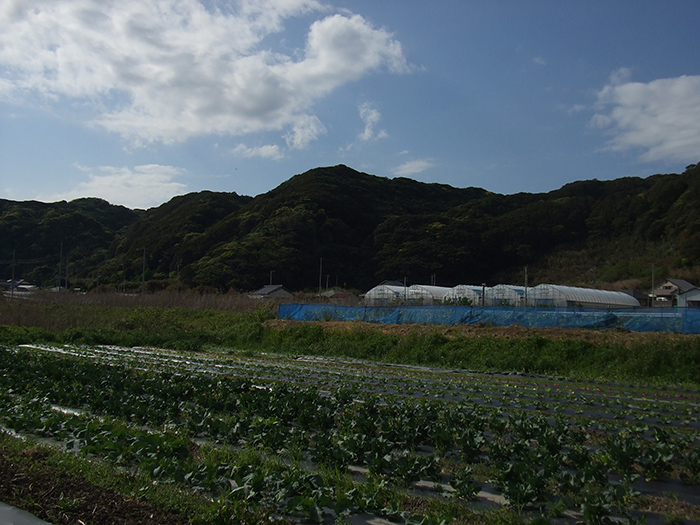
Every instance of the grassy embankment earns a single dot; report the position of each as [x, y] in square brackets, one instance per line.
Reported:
[238, 325]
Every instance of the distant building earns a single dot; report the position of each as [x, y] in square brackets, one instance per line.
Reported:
[667, 294]
[643, 299]
[690, 298]
[340, 297]
[271, 291]
[20, 286]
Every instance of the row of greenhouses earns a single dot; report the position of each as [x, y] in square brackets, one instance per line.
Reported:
[499, 295]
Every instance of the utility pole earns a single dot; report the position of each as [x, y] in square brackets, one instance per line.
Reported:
[525, 285]
[12, 281]
[652, 286]
[320, 276]
[271, 272]
[60, 261]
[143, 273]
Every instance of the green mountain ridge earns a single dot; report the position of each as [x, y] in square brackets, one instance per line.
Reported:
[359, 229]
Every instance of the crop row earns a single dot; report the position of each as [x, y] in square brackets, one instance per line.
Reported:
[149, 410]
[603, 402]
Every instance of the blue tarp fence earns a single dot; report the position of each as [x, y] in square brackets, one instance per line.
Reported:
[675, 320]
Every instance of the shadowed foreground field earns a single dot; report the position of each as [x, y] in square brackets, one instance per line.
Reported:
[229, 415]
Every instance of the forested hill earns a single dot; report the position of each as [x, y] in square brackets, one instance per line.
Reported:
[366, 229]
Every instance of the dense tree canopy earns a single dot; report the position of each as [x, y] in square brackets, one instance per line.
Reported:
[365, 229]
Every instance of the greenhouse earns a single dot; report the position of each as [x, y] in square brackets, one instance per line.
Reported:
[385, 294]
[570, 296]
[425, 294]
[547, 295]
[466, 295]
[505, 295]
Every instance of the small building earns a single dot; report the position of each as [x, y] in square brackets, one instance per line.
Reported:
[340, 297]
[667, 294]
[691, 298]
[643, 298]
[17, 287]
[271, 291]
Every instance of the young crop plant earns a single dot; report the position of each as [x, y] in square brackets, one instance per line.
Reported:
[690, 465]
[464, 484]
[271, 432]
[622, 451]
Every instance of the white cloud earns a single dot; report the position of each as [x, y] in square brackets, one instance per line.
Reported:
[620, 76]
[576, 108]
[661, 118]
[269, 151]
[305, 129]
[413, 167]
[173, 69]
[371, 117]
[143, 187]
[539, 61]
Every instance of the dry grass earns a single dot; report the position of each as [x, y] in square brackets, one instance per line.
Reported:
[618, 337]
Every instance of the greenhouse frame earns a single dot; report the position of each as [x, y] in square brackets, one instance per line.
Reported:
[505, 295]
[571, 296]
[465, 294]
[427, 294]
[385, 294]
[542, 295]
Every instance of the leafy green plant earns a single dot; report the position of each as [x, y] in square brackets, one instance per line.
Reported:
[464, 485]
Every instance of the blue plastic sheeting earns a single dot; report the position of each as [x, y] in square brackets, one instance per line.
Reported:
[677, 320]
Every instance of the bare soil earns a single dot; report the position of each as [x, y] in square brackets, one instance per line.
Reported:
[27, 482]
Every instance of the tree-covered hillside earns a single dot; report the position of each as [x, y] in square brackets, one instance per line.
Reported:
[74, 236]
[366, 229]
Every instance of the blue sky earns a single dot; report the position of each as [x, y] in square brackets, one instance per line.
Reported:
[136, 102]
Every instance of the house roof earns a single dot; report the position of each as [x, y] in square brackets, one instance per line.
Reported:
[636, 294]
[682, 284]
[270, 289]
[692, 295]
[392, 283]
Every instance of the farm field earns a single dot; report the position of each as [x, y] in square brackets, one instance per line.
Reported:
[250, 436]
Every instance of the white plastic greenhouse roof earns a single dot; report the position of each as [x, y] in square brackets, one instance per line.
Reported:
[386, 290]
[465, 289]
[507, 289]
[586, 296]
[436, 292]
[543, 294]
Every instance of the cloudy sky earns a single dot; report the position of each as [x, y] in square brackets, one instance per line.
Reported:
[136, 102]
